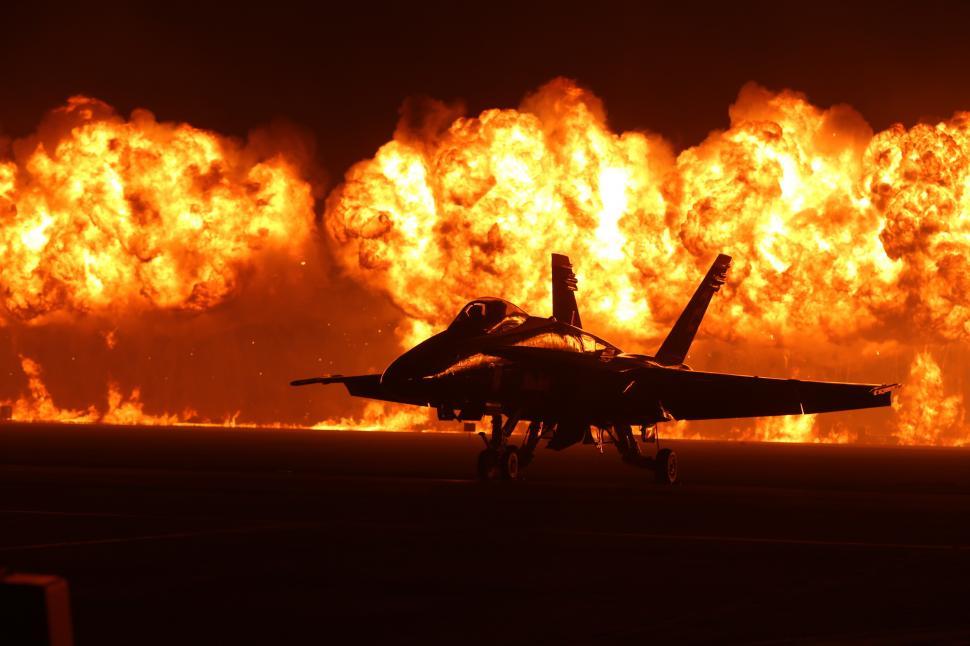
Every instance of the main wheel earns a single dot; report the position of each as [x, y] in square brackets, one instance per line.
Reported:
[666, 466]
[488, 467]
[510, 463]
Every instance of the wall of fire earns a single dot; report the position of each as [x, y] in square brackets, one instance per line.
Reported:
[158, 273]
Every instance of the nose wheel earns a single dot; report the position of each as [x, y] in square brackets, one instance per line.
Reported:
[665, 466]
[500, 460]
[499, 464]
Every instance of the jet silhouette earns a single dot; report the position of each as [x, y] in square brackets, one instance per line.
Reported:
[572, 386]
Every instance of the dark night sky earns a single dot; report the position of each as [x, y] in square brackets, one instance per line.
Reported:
[343, 71]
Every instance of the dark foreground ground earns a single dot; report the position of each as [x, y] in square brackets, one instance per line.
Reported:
[189, 536]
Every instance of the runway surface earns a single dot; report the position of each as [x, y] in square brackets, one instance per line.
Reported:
[211, 536]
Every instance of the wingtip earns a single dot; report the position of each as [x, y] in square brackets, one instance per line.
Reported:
[885, 388]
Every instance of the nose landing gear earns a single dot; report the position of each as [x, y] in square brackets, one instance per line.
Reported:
[499, 459]
[502, 464]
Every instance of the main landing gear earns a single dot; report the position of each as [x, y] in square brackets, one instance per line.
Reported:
[663, 465]
[501, 460]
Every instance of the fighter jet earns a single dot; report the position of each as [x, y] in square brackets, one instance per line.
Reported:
[572, 386]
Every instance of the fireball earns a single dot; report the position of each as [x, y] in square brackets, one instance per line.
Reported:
[841, 237]
[115, 216]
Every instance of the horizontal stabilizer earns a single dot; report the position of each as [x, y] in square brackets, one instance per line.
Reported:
[675, 346]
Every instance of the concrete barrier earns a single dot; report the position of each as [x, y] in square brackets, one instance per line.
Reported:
[34, 610]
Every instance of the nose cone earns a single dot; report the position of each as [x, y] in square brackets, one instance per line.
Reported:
[427, 358]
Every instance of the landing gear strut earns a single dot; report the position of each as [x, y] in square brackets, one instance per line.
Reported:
[664, 465]
[530, 443]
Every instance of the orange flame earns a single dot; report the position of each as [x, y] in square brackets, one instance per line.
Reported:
[114, 214]
[784, 190]
[383, 416]
[37, 405]
[926, 413]
[839, 235]
[835, 232]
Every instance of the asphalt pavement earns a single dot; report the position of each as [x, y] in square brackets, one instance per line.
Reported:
[244, 536]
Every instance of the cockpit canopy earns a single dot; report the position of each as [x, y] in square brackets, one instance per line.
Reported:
[487, 316]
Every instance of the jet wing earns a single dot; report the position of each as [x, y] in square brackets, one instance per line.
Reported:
[686, 394]
[369, 386]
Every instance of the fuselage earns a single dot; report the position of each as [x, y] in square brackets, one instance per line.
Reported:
[496, 358]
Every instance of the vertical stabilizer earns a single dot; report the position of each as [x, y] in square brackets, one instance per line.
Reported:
[564, 307]
[675, 346]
